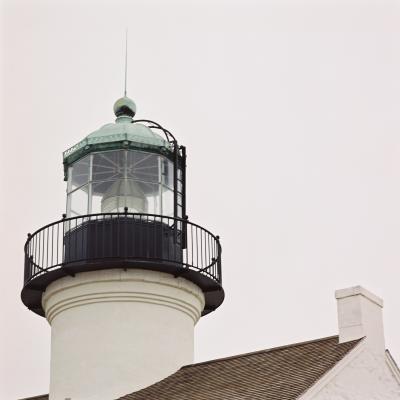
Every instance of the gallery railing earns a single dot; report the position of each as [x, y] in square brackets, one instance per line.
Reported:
[122, 239]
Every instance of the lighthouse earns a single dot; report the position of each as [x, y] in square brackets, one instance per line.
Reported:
[124, 276]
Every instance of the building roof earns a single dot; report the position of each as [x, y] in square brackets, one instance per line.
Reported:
[281, 373]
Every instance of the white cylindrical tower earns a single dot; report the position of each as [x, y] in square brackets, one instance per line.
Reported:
[114, 331]
[124, 276]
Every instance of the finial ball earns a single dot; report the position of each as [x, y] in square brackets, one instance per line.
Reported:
[125, 107]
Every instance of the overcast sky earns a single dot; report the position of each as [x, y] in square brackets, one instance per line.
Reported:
[290, 113]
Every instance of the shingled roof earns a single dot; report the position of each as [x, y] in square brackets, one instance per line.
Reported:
[281, 373]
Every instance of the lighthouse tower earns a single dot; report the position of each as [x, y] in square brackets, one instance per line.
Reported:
[124, 276]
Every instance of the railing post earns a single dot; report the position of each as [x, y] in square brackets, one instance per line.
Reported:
[184, 232]
[219, 261]
[125, 237]
[27, 269]
[176, 158]
[63, 239]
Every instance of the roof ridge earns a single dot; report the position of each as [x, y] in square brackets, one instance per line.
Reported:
[260, 351]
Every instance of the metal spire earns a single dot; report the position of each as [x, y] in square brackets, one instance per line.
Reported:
[126, 59]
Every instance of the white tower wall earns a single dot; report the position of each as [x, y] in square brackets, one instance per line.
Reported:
[114, 331]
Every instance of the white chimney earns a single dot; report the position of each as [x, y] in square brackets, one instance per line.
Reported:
[360, 315]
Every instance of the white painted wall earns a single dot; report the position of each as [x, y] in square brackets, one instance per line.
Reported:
[114, 331]
[367, 377]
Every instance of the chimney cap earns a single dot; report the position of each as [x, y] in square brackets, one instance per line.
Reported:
[358, 290]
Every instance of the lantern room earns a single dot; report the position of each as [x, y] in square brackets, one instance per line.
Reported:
[126, 166]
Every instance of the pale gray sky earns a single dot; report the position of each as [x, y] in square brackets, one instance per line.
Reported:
[290, 113]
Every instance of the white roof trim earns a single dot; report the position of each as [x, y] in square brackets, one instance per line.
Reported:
[328, 376]
[394, 369]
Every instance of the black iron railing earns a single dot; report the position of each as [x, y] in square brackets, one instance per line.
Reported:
[122, 239]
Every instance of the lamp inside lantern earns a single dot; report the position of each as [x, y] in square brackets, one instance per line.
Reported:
[124, 193]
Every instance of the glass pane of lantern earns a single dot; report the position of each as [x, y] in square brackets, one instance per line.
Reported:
[98, 191]
[152, 194]
[78, 201]
[167, 202]
[79, 173]
[142, 166]
[167, 172]
[108, 165]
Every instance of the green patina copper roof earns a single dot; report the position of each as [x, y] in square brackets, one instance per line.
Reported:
[123, 134]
